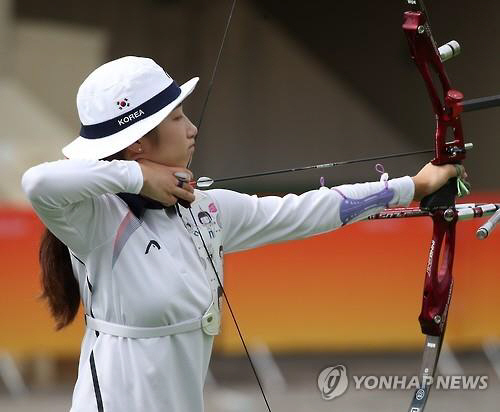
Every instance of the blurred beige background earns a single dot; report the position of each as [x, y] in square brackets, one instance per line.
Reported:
[298, 83]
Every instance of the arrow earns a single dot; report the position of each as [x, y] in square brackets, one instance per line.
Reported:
[204, 182]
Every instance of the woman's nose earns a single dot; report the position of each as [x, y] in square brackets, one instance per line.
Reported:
[192, 130]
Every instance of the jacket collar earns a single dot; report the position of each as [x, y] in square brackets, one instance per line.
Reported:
[138, 204]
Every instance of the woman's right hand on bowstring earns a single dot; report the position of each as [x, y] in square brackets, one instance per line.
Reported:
[162, 185]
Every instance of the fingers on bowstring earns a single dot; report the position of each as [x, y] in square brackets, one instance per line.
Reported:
[184, 191]
[183, 174]
[183, 184]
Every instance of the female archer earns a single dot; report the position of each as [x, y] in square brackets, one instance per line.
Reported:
[142, 250]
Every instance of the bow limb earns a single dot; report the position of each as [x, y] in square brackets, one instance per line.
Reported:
[438, 283]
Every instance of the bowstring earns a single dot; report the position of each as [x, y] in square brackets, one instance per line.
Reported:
[240, 334]
[214, 73]
[200, 121]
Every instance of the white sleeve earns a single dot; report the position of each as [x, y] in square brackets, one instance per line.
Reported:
[67, 196]
[250, 221]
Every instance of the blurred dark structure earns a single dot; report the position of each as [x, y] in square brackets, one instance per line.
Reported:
[305, 82]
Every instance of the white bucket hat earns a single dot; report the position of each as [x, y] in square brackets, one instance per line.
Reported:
[121, 101]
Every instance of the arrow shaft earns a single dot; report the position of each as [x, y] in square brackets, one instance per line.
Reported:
[323, 165]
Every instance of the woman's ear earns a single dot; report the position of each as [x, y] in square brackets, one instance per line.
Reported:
[134, 151]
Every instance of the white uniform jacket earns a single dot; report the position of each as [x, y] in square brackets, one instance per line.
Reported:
[147, 272]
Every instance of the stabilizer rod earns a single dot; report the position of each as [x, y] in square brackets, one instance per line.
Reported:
[480, 103]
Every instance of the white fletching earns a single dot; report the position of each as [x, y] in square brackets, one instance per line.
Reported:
[204, 182]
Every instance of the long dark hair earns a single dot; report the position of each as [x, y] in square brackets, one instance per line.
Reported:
[59, 285]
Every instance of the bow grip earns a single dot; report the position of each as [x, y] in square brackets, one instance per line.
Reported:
[443, 198]
[439, 277]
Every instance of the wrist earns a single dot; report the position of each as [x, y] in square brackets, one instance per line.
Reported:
[145, 177]
[418, 188]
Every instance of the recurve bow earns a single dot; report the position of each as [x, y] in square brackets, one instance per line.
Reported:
[447, 104]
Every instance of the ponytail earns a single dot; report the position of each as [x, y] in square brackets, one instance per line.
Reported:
[59, 285]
